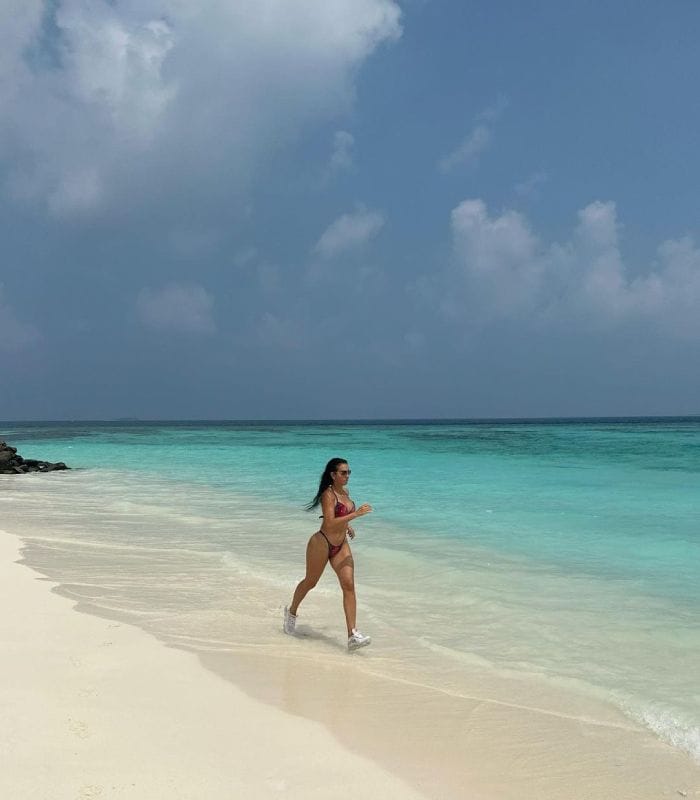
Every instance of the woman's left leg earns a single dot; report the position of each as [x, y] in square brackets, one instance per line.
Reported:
[344, 568]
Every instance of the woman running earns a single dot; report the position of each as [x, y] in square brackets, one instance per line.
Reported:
[330, 543]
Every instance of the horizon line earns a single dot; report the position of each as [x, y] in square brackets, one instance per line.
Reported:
[346, 420]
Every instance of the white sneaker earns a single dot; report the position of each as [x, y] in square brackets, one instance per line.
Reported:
[358, 640]
[290, 622]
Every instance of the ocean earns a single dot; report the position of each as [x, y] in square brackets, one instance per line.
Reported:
[551, 562]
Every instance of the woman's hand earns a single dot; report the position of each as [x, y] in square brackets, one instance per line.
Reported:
[365, 508]
[351, 533]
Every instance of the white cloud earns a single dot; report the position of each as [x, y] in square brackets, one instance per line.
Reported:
[468, 152]
[15, 335]
[73, 106]
[673, 291]
[498, 257]
[176, 307]
[349, 232]
[504, 270]
[114, 61]
[115, 99]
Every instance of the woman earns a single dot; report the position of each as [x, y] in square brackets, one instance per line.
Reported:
[330, 543]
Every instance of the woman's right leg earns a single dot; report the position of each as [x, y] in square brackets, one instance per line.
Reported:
[316, 560]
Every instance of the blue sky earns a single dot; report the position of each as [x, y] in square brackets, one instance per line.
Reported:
[348, 209]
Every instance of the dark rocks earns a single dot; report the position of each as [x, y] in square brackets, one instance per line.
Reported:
[7, 454]
[13, 464]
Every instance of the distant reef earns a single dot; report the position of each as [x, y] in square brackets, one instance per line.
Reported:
[13, 464]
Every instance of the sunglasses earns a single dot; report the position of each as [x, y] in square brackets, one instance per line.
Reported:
[344, 472]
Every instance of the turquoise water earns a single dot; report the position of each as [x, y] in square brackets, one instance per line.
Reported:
[565, 550]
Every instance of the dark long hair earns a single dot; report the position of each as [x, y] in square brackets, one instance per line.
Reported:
[326, 481]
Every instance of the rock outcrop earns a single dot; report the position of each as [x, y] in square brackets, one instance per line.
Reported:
[13, 464]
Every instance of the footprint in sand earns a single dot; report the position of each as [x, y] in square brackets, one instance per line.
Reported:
[78, 728]
[89, 791]
[76, 662]
[88, 691]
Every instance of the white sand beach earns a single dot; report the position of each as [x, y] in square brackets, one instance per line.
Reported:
[96, 709]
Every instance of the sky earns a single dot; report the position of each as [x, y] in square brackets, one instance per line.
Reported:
[349, 209]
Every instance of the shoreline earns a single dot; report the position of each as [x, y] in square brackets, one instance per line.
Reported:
[441, 741]
[100, 709]
[412, 740]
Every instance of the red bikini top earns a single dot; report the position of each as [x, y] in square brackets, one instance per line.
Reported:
[341, 510]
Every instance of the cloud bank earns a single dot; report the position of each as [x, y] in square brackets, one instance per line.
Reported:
[111, 100]
[504, 270]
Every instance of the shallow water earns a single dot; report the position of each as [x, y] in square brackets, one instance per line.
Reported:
[559, 554]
